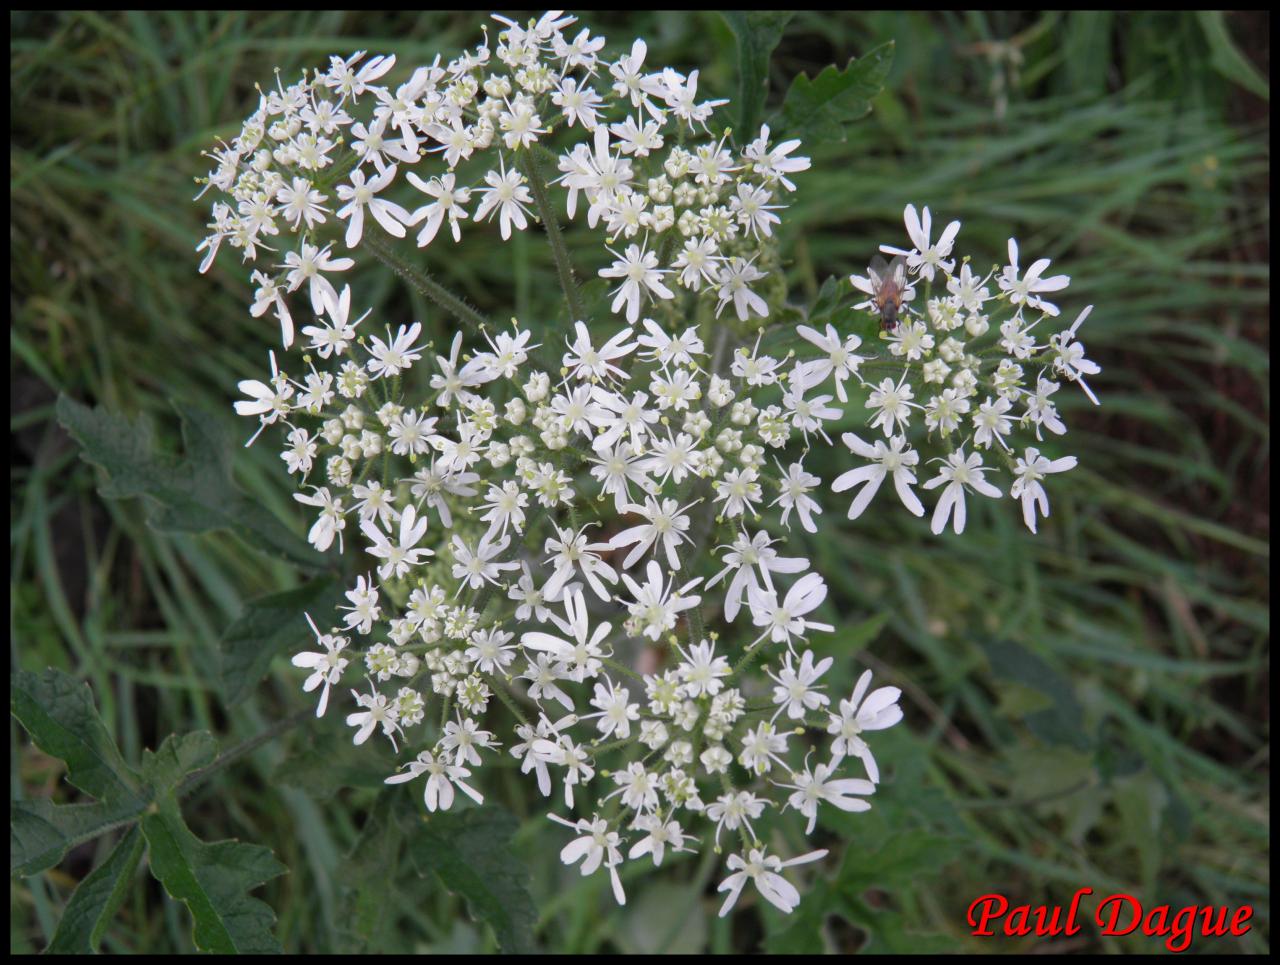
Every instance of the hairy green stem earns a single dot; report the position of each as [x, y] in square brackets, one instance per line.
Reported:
[232, 755]
[428, 286]
[559, 251]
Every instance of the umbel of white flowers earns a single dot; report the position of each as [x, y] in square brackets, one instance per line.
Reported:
[582, 486]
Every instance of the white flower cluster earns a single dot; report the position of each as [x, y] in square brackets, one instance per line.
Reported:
[538, 520]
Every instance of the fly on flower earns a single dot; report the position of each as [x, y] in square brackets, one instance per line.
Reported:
[888, 286]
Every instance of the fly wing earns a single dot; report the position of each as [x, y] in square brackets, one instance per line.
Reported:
[878, 272]
[897, 272]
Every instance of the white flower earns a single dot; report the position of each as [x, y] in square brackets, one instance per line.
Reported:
[659, 836]
[449, 202]
[377, 711]
[842, 359]
[327, 666]
[360, 195]
[586, 362]
[641, 276]
[1070, 360]
[811, 788]
[959, 472]
[395, 354]
[877, 711]
[657, 604]
[666, 523]
[597, 845]
[894, 403]
[671, 349]
[745, 555]
[364, 607]
[306, 265]
[795, 691]
[992, 422]
[1027, 289]
[300, 201]
[571, 553]
[336, 337]
[894, 459]
[476, 567]
[405, 553]
[762, 869]
[1029, 470]
[463, 737]
[762, 747]
[782, 621]
[796, 484]
[733, 810]
[508, 194]
[268, 402]
[734, 281]
[702, 672]
[442, 778]
[927, 256]
[489, 652]
[616, 713]
[330, 522]
[776, 164]
[580, 658]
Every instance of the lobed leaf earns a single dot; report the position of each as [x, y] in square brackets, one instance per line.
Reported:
[819, 109]
[191, 494]
[213, 881]
[758, 33]
[97, 898]
[469, 852]
[59, 714]
[41, 832]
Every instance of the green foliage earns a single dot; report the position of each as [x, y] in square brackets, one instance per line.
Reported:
[819, 109]
[758, 33]
[269, 626]
[1226, 56]
[192, 494]
[468, 852]
[211, 879]
[97, 899]
[1133, 148]
[59, 715]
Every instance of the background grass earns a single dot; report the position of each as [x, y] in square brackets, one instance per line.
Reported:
[1085, 707]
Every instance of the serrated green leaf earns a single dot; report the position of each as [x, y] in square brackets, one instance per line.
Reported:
[469, 852]
[213, 881]
[97, 899]
[177, 757]
[758, 33]
[59, 714]
[193, 493]
[41, 832]
[901, 858]
[819, 109]
[269, 626]
[899, 862]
